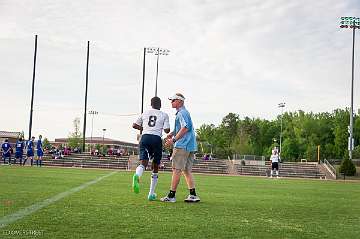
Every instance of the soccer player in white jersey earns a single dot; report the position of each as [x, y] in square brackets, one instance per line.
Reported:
[274, 162]
[152, 122]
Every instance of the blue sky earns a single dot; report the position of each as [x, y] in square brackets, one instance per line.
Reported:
[225, 56]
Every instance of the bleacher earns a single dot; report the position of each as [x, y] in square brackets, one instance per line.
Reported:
[286, 169]
[87, 161]
[202, 166]
[234, 167]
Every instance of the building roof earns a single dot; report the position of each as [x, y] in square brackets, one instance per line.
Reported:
[99, 140]
[8, 134]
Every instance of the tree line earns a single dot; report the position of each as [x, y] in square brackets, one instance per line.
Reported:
[301, 134]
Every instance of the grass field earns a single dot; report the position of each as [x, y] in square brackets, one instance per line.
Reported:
[231, 207]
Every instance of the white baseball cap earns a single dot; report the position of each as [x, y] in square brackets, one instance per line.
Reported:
[177, 96]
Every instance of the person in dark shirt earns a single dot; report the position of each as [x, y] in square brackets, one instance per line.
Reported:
[30, 150]
[19, 150]
[6, 151]
[39, 151]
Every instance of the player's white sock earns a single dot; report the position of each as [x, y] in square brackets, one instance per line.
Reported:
[154, 180]
[277, 173]
[139, 170]
[271, 173]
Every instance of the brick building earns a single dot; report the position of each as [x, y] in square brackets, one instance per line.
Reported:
[11, 136]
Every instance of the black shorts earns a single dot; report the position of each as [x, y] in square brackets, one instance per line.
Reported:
[18, 155]
[275, 165]
[30, 153]
[151, 147]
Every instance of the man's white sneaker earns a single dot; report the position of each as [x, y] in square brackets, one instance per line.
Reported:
[192, 198]
[167, 199]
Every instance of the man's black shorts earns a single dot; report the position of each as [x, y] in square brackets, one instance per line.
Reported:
[275, 165]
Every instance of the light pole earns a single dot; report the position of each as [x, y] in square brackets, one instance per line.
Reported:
[354, 23]
[93, 113]
[157, 51]
[103, 135]
[32, 89]
[281, 105]
[103, 147]
[86, 91]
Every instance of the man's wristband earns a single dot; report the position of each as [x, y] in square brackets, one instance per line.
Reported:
[174, 140]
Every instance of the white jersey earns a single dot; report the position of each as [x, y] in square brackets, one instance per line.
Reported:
[153, 122]
[274, 158]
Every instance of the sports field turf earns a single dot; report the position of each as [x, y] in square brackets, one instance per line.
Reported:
[230, 207]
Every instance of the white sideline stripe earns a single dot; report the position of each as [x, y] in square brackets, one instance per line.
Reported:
[37, 206]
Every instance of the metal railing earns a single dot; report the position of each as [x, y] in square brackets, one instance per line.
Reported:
[330, 168]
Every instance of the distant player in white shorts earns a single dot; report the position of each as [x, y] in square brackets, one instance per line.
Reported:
[152, 122]
[274, 162]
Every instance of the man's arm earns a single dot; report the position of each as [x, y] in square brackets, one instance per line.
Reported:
[181, 133]
[136, 126]
[170, 141]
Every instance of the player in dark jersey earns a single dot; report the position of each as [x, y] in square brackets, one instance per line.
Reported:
[39, 151]
[19, 150]
[30, 150]
[6, 151]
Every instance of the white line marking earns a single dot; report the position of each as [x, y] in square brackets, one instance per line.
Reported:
[6, 220]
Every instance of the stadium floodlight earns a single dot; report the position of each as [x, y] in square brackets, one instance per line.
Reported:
[354, 23]
[281, 105]
[157, 51]
[92, 112]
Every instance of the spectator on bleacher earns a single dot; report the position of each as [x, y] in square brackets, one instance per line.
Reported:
[110, 152]
[19, 150]
[104, 151]
[66, 151]
[206, 157]
[118, 152]
[274, 158]
[57, 154]
[39, 151]
[6, 151]
[30, 151]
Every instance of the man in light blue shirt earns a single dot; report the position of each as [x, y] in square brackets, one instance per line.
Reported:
[184, 145]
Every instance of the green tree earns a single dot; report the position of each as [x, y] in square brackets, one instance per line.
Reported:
[356, 152]
[302, 133]
[46, 144]
[347, 167]
[74, 139]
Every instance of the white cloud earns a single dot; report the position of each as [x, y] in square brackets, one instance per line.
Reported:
[226, 56]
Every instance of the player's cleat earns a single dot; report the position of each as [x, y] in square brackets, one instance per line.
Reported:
[192, 198]
[135, 184]
[167, 199]
[152, 197]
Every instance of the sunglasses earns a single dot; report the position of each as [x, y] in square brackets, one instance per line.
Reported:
[172, 101]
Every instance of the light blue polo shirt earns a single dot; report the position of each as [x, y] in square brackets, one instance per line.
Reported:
[188, 141]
